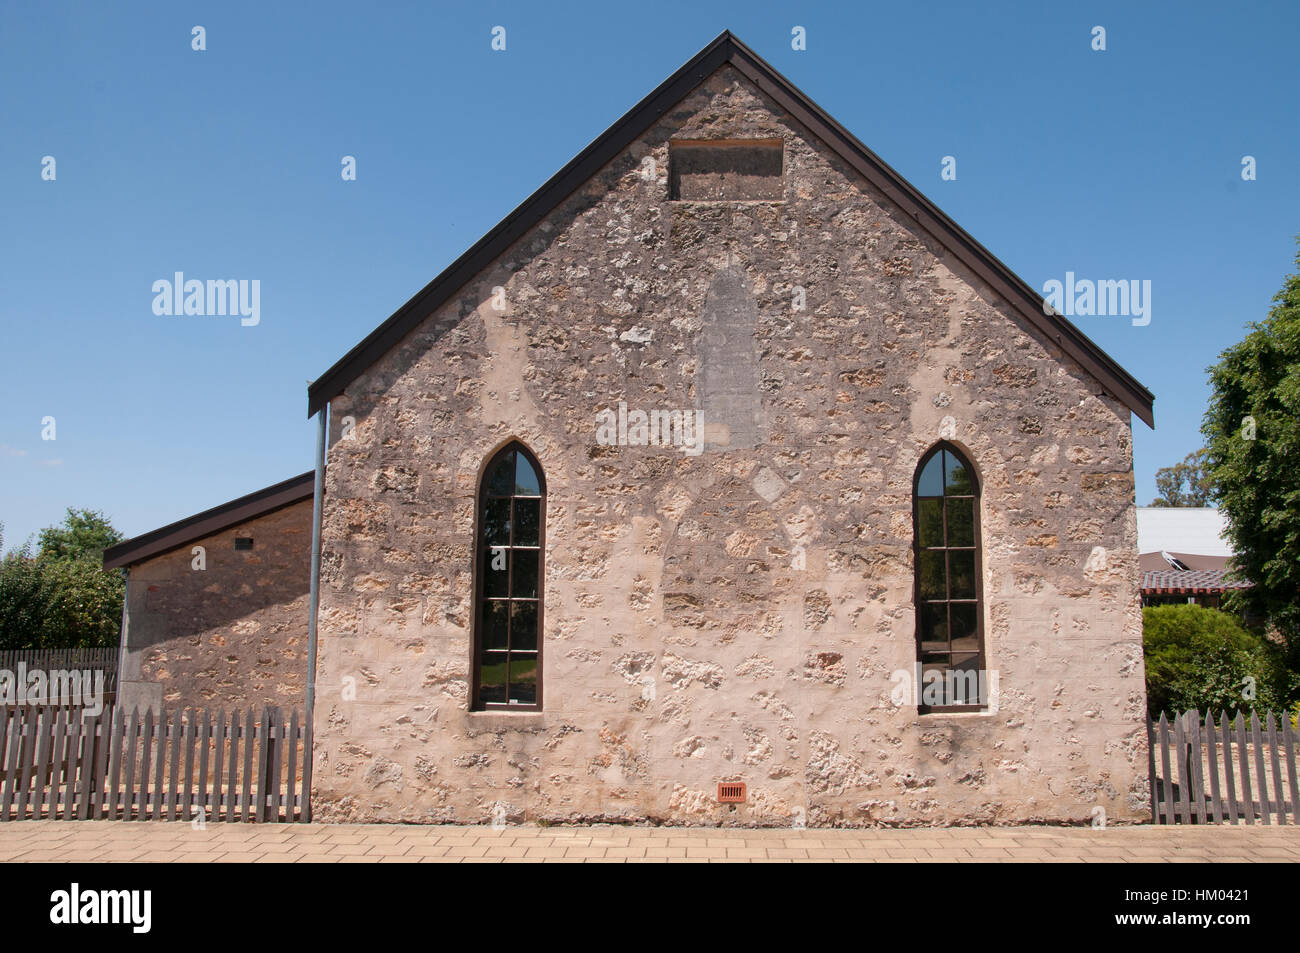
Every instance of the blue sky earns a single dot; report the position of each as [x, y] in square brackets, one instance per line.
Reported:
[224, 163]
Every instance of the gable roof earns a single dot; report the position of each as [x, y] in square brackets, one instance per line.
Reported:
[727, 50]
[255, 504]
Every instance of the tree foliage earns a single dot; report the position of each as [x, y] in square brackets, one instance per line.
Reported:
[1252, 428]
[1185, 484]
[84, 534]
[1203, 659]
[61, 597]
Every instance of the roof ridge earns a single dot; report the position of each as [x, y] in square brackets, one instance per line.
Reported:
[726, 49]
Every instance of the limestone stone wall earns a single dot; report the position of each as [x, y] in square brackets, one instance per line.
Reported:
[737, 614]
[231, 635]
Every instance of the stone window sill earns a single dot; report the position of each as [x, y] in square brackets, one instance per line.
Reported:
[508, 720]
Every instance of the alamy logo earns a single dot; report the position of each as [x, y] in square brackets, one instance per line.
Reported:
[683, 429]
[1085, 297]
[940, 687]
[214, 297]
[75, 688]
[73, 906]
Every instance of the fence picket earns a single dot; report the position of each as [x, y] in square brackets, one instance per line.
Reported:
[146, 749]
[1243, 762]
[187, 787]
[175, 768]
[17, 737]
[1168, 779]
[71, 758]
[291, 760]
[1233, 815]
[1288, 738]
[1198, 775]
[307, 756]
[160, 759]
[218, 762]
[129, 749]
[1260, 778]
[92, 774]
[246, 802]
[233, 780]
[1279, 792]
[1184, 786]
[205, 733]
[43, 760]
[116, 744]
[1212, 757]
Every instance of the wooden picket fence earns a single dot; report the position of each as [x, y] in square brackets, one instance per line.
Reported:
[59, 763]
[49, 660]
[1194, 779]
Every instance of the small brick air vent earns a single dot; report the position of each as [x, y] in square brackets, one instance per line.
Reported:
[731, 792]
[243, 542]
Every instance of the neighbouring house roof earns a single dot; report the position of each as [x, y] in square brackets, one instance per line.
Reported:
[211, 521]
[1189, 582]
[1182, 529]
[727, 50]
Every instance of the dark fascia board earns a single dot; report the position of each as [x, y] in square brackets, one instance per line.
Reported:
[211, 521]
[726, 49]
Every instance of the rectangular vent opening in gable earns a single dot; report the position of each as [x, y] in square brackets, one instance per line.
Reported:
[725, 170]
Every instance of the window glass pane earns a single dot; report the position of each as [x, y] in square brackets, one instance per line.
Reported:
[527, 522]
[524, 579]
[931, 572]
[492, 678]
[965, 636]
[496, 523]
[956, 479]
[526, 482]
[523, 626]
[965, 687]
[961, 573]
[931, 482]
[934, 676]
[961, 521]
[496, 566]
[502, 482]
[523, 679]
[929, 516]
[495, 633]
[934, 627]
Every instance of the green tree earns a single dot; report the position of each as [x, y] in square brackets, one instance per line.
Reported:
[1203, 659]
[84, 534]
[61, 597]
[1185, 484]
[1252, 428]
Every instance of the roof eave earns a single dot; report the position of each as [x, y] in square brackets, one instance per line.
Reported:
[214, 520]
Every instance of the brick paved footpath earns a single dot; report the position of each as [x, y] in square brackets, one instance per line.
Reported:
[161, 841]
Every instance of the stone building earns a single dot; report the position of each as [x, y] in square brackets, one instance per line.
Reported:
[216, 605]
[725, 481]
[686, 471]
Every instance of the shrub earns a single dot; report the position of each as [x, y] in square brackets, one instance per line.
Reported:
[1203, 659]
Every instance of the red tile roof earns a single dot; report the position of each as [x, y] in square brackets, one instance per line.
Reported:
[1189, 581]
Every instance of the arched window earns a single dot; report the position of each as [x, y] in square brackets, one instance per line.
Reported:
[508, 582]
[949, 611]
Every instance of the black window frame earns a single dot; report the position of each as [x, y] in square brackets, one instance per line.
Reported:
[981, 658]
[480, 548]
